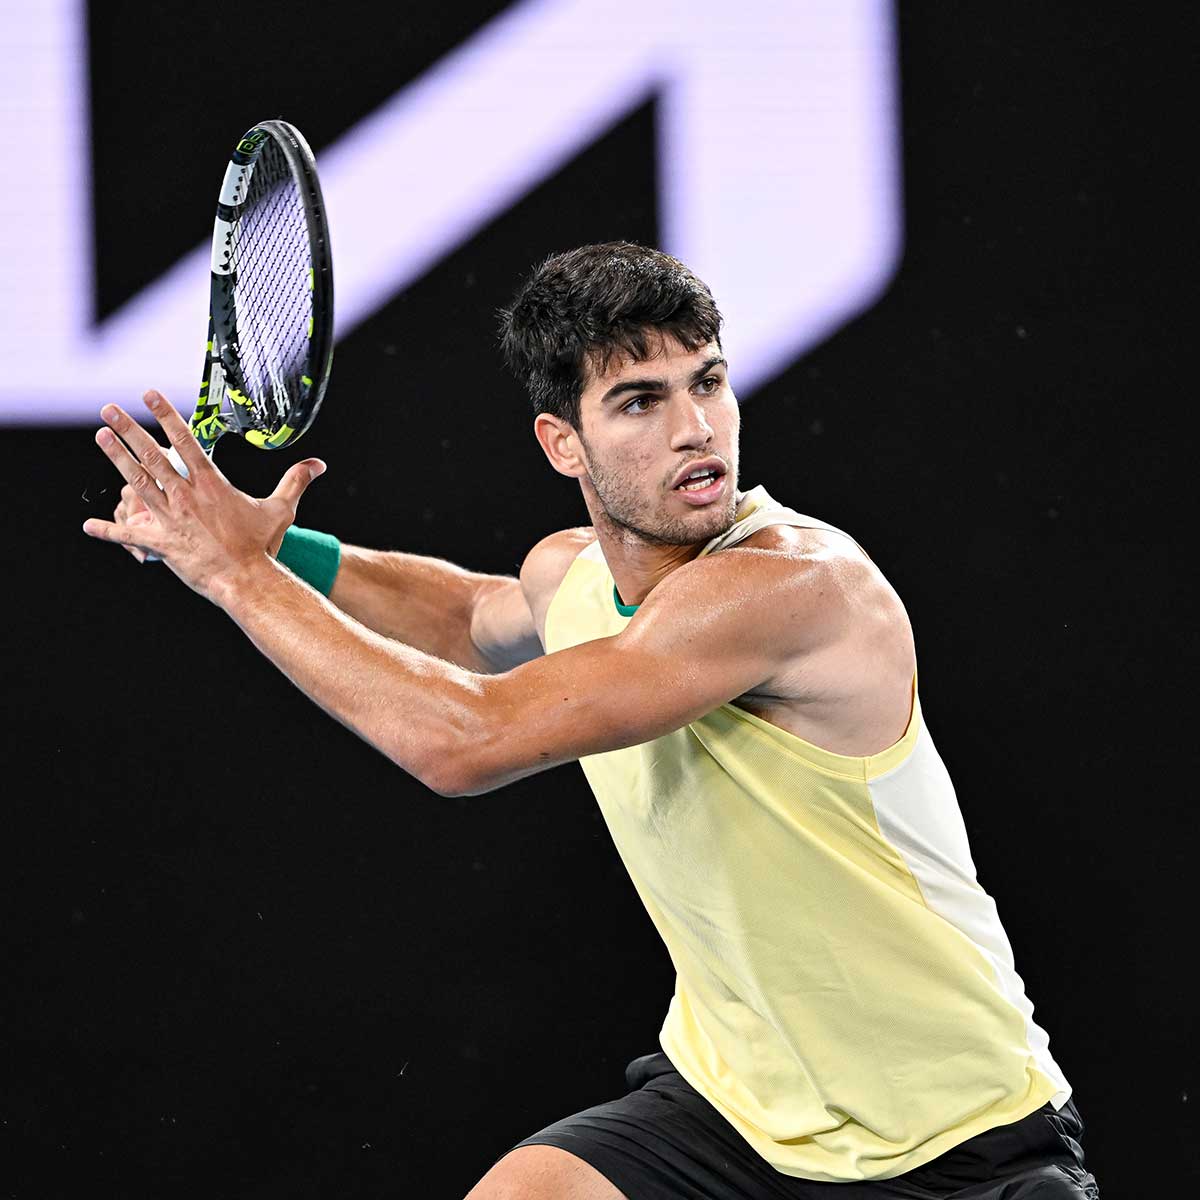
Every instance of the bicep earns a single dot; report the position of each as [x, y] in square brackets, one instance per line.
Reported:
[502, 626]
[507, 619]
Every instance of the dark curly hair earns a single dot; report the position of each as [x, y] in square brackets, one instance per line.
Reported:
[584, 306]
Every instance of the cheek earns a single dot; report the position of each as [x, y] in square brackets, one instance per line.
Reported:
[730, 424]
[650, 467]
[632, 454]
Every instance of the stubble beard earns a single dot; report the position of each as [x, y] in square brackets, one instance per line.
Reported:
[616, 489]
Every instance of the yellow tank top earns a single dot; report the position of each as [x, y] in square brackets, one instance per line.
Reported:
[845, 994]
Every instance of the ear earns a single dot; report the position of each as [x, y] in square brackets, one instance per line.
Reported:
[561, 445]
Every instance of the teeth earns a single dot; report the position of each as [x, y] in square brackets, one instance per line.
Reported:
[695, 487]
[701, 473]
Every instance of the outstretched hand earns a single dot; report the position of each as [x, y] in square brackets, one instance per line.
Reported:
[206, 530]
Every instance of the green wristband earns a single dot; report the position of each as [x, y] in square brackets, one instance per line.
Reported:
[312, 555]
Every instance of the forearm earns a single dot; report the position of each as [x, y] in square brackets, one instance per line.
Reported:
[419, 710]
[426, 603]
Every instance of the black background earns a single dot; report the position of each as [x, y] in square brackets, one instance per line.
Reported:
[247, 957]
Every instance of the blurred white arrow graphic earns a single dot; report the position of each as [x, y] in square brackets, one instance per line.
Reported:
[778, 162]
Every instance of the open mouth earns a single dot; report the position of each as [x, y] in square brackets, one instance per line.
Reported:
[703, 483]
[698, 481]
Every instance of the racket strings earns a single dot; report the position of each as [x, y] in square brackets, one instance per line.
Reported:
[272, 291]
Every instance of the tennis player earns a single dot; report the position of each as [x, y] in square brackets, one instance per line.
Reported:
[738, 682]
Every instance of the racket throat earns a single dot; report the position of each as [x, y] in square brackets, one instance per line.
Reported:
[208, 422]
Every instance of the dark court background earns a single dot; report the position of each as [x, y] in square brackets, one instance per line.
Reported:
[245, 956]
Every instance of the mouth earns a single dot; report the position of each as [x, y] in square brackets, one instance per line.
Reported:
[702, 482]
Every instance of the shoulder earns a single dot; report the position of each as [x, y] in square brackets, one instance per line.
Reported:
[546, 566]
[803, 588]
[820, 567]
[830, 561]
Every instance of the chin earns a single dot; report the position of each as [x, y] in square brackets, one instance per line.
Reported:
[700, 525]
[716, 522]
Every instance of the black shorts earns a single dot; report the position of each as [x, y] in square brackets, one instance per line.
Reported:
[664, 1141]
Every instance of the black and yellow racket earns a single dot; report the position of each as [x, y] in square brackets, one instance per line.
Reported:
[270, 325]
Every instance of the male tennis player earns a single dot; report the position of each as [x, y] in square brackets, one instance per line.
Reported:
[738, 682]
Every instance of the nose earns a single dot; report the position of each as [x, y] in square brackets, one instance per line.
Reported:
[690, 429]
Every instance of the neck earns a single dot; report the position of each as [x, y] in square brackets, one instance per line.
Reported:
[638, 564]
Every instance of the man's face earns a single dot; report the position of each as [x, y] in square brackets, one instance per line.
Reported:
[645, 426]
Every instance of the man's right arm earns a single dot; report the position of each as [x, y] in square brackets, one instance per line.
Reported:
[485, 623]
[481, 622]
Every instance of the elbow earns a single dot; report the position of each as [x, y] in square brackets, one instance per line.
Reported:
[455, 767]
[454, 779]
[464, 753]
[446, 780]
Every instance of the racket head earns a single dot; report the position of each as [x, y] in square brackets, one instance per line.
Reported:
[271, 301]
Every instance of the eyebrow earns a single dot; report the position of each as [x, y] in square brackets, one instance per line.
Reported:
[659, 385]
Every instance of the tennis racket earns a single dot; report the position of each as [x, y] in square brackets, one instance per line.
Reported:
[270, 324]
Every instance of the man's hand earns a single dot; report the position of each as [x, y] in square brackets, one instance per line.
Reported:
[206, 531]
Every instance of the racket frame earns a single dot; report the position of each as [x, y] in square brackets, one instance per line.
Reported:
[222, 377]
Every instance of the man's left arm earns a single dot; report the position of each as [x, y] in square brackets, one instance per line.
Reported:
[463, 734]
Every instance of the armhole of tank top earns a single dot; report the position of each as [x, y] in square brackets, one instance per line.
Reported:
[575, 565]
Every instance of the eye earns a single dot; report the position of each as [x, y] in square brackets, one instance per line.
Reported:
[710, 384]
[648, 401]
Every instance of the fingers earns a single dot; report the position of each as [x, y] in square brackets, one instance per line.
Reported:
[149, 453]
[131, 511]
[177, 431]
[152, 480]
[128, 505]
[297, 478]
[124, 535]
[137, 475]
[139, 520]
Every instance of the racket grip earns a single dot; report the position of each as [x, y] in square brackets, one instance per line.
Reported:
[176, 460]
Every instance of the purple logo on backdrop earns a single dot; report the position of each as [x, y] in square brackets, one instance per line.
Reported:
[778, 166]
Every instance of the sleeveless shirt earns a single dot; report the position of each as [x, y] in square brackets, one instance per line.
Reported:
[845, 994]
